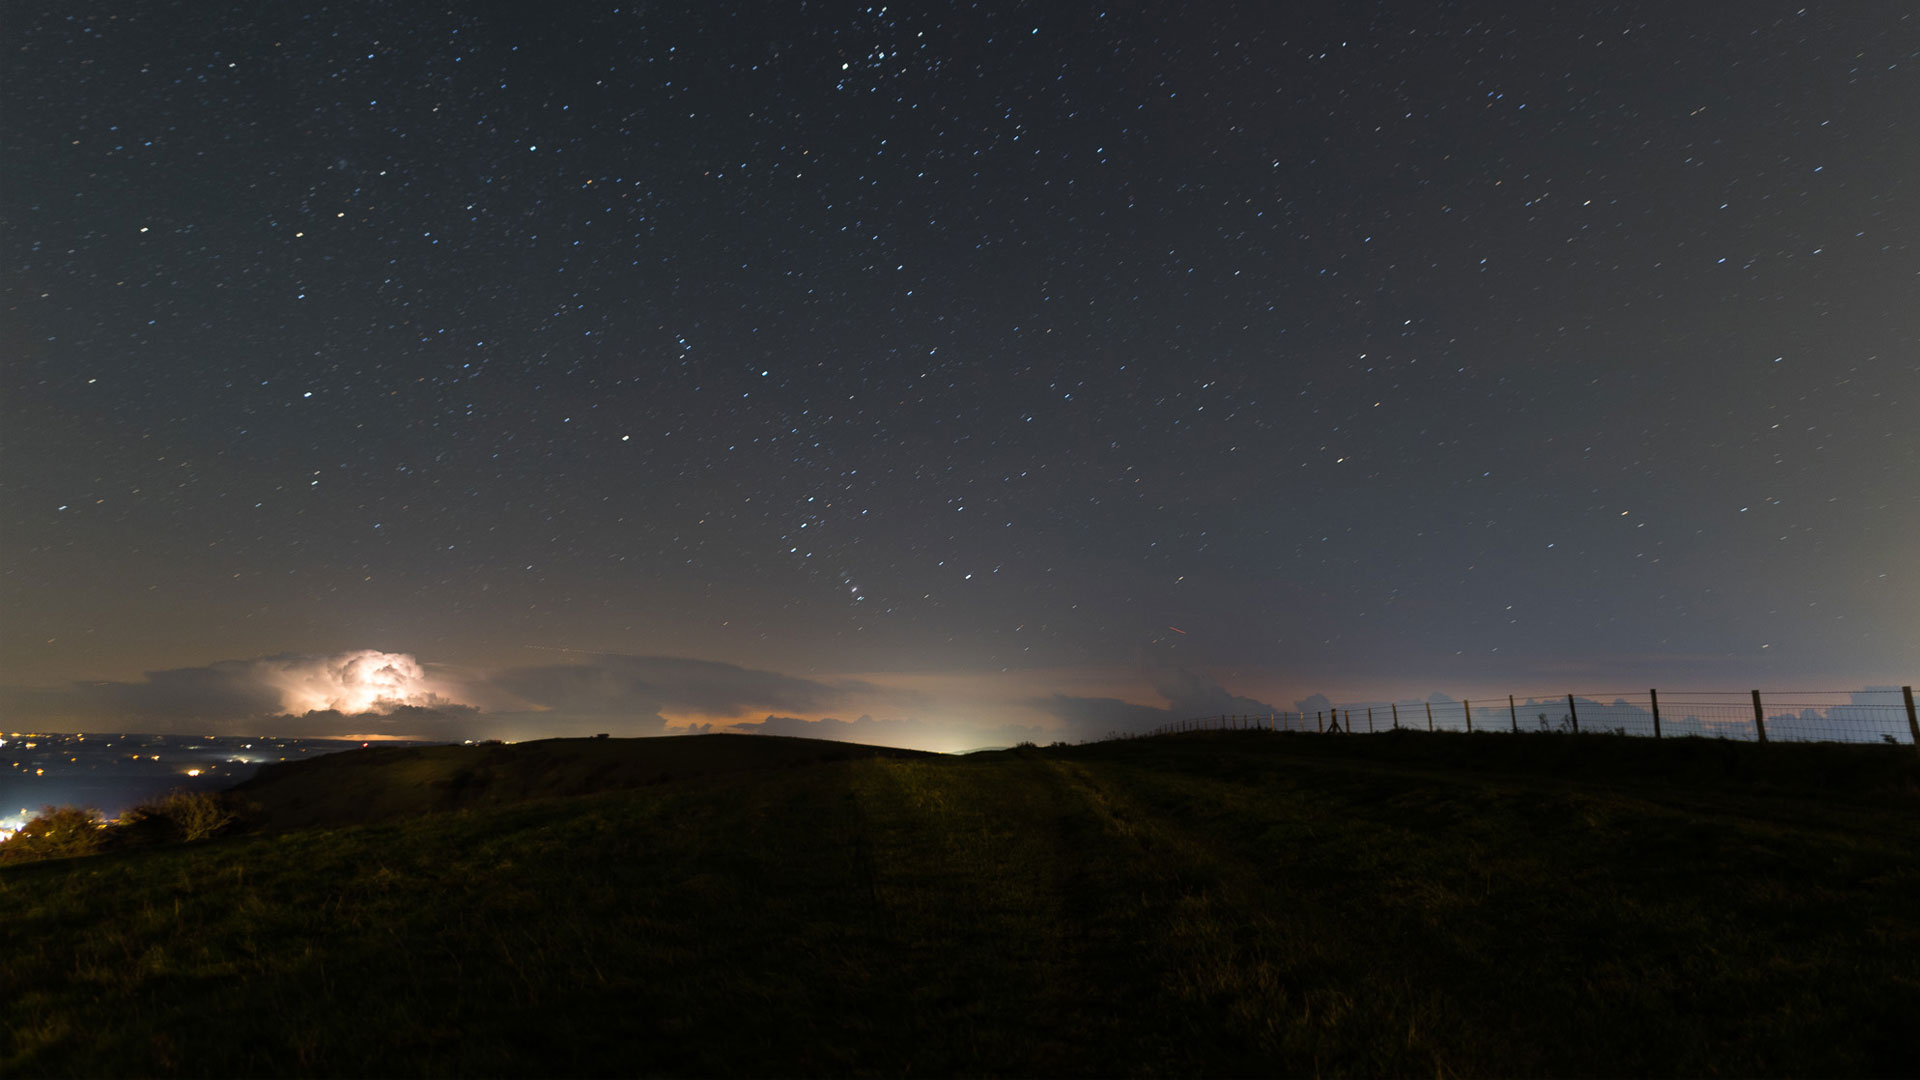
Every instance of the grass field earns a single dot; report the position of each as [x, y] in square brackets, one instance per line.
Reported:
[1219, 904]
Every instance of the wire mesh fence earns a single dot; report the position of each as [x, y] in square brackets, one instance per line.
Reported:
[1880, 714]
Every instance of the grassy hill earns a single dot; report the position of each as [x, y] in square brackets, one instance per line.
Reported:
[1226, 903]
[384, 783]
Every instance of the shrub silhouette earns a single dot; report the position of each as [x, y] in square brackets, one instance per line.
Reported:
[57, 832]
[180, 817]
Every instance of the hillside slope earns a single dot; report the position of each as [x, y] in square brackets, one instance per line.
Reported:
[382, 783]
[1225, 905]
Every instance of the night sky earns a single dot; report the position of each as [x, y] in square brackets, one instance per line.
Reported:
[982, 371]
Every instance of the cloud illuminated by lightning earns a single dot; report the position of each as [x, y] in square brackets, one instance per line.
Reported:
[359, 681]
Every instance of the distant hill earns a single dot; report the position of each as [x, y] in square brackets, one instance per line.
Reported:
[1228, 903]
[382, 783]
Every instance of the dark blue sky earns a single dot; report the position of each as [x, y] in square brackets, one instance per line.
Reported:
[1004, 350]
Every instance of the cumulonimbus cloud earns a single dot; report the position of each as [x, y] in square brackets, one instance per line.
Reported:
[356, 682]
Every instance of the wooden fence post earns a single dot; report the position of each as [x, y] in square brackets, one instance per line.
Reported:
[1513, 714]
[1573, 714]
[1654, 697]
[1320, 721]
[1429, 716]
[1466, 707]
[1913, 721]
[1396, 718]
[1759, 719]
[1369, 719]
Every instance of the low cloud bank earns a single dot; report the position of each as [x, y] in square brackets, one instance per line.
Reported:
[1188, 694]
[371, 692]
[647, 689]
[296, 694]
[368, 691]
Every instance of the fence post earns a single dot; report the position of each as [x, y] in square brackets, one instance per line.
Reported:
[1759, 720]
[1513, 714]
[1429, 716]
[1573, 714]
[1654, 696]
[1396, 719]
[1913, 720]
[1319, 721]
[1370, 721]
[1466, 707]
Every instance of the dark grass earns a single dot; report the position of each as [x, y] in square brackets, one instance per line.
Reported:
[382, 783]
[1224, 904]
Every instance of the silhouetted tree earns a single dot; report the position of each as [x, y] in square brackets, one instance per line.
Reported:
[57, 832]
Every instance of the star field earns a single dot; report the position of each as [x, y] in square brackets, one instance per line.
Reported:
[1385, 340]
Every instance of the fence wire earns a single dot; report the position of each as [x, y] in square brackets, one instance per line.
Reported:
[1881, 714]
